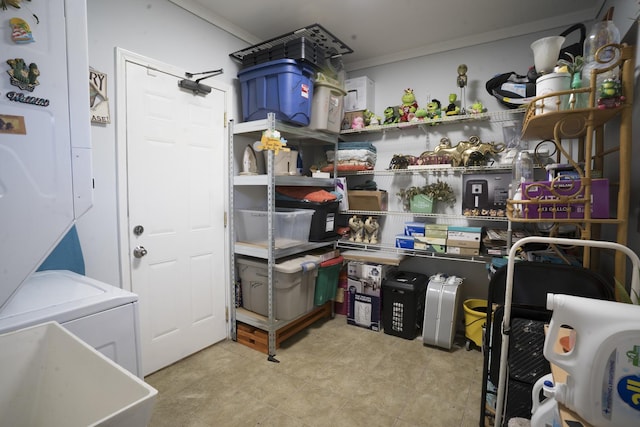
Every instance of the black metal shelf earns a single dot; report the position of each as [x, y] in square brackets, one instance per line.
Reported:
[330, 44]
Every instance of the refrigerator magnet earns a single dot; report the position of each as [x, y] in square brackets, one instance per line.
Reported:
[31, 100]
[20, 31]
[12, 124]
[23, 76]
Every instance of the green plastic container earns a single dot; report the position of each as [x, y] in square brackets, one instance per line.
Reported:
[327, 280]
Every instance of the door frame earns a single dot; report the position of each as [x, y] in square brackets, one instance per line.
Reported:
[122, 57]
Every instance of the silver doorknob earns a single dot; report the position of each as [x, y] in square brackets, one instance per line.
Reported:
[139, 251]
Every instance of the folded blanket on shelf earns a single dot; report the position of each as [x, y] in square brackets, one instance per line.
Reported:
[352, 156]
[361, 155]
[357, 145]
[347, 166]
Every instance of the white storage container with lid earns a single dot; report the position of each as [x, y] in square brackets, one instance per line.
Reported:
[327, 105]
[293, 286]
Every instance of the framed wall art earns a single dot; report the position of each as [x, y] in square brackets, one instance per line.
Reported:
[98, 100]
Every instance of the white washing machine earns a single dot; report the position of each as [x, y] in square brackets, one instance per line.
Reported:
[103, 316]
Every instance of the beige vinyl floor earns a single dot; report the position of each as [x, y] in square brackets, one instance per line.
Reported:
[331, 374]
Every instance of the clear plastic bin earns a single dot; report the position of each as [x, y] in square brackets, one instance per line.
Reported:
[291, 226]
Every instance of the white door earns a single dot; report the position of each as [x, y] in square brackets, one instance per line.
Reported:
[176, 200]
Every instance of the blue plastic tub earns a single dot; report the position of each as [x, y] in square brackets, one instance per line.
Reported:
[283, 87]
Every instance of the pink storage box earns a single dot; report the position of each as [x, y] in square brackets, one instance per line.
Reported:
[599, 199]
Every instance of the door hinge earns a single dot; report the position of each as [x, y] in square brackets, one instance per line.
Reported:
[226, 314]
[225, 220]
[225, 119]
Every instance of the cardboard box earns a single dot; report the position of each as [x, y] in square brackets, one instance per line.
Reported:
[370, 275]
[404, 242]
[363, 286]
[464, 237]
[463, 229]
[360, 94]
[367, 200]
[566, 188]
[364, 311]
[430, 240]
[435, 234]
[429, 247]
[463, 232]
[436, 230]
[414, 228]
[471, 244]
[485, 194]
[457, 250]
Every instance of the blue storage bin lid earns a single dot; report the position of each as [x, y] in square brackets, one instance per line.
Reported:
[279, 65]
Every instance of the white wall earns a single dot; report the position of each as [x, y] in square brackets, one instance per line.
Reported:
[625, 11]
[434, 76]
[160, 30]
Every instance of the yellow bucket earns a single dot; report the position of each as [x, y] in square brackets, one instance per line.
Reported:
[475, 315]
